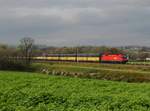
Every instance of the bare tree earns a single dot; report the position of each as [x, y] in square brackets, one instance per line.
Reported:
[26, 46]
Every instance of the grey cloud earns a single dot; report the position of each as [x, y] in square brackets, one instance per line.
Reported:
[73, 22]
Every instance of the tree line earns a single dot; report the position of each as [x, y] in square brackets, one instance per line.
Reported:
[27, 49]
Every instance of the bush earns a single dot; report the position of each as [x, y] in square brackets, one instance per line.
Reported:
[6, 64]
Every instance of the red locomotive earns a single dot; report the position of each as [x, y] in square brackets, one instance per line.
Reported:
[114, 58]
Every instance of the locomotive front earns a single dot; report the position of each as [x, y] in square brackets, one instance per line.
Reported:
[114, 58]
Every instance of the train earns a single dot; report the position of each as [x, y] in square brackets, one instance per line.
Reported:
[99, 58]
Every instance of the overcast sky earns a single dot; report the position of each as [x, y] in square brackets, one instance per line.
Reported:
[76, 22]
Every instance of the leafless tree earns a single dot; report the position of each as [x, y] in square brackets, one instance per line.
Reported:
[26, 46]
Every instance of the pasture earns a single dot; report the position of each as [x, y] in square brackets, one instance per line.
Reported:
[22, 91]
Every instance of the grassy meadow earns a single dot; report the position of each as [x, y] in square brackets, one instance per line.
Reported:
[22, 91]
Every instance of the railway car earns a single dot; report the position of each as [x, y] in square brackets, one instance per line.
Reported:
[99, 58]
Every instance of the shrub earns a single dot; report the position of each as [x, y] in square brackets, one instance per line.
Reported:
[6, 64]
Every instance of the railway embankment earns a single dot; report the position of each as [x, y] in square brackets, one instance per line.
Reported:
[115, 72]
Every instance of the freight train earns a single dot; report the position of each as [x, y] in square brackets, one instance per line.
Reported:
[99, 58]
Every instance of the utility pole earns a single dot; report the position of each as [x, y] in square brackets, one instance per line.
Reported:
[76, 54]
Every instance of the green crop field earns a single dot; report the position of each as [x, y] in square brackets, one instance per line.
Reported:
[21, 91]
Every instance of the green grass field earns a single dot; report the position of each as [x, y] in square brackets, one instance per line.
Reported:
[21, 91]
[116, 72]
